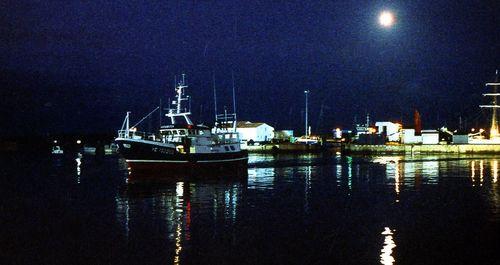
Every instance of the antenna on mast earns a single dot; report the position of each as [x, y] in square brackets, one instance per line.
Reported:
[234, 95]
[161, 107]
[215, 95]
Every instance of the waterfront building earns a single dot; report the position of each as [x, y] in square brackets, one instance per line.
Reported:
[460, 138]
[390, 129]
[430, 137]
[254, 131]
[408, 137]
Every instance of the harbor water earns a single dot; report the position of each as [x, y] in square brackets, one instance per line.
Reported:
[287, 209]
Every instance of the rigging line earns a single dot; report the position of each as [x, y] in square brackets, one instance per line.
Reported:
[145, 117]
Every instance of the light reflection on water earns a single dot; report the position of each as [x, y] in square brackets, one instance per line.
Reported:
[174, 204]
[386, 257]
[179, 216]
[261, 178]
[78, 168]
[209, 204]
[494, 170]
[409, 172]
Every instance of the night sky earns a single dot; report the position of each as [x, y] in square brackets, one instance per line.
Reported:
[78, 66]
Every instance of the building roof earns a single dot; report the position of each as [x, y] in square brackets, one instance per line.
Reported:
[248, 124]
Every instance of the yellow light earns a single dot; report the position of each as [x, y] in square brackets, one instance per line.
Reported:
[493, 133]
[386, 19]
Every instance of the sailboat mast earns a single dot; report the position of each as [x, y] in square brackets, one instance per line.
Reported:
[494, 133]
[494, 123]
[215, 96]
[234, 95]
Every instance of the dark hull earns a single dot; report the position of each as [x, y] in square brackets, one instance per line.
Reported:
[146, 159]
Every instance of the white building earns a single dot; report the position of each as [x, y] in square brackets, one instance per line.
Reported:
[254, 131]
[390, 129]
[430, 137]
[409, 137]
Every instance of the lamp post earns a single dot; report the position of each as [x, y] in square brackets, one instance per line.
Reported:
[306, 92]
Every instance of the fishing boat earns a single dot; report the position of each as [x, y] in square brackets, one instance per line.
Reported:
[182, 146]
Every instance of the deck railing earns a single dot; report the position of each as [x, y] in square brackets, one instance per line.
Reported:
[218, 138]
[228, 138]
[136, 135]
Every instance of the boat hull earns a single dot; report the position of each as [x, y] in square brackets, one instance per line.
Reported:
[147, 157]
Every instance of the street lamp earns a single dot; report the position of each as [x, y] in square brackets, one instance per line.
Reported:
[306, 92]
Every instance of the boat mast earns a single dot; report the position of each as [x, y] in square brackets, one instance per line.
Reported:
[494, 133]
[215, 96]
[178, 112]
[234, 103]
[127, 124]
[227, 121]
[234, 95]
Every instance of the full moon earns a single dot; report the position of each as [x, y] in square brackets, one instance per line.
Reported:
[386, 19]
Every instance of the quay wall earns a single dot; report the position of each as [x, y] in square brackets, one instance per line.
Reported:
[429, 149]
[283, 148]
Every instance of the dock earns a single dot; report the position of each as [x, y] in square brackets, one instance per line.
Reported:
[286, 148]
[422, 149]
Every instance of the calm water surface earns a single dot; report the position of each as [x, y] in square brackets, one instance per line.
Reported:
[289, 210]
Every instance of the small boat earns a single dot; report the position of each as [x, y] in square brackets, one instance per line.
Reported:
[110, 149]
[57, 150]
[89, 150]
[309, 140]
[182, 146]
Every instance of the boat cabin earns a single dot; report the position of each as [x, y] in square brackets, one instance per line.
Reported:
[201, 133]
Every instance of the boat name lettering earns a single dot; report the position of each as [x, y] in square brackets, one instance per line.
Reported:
[162, 150]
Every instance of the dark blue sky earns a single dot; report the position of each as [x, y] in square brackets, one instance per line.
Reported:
[71, 66]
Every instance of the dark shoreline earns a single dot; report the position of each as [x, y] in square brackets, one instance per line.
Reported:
[42, 144]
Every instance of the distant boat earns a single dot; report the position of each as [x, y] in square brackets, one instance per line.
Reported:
[110, 149]
[183, 146]
[57, 150]
[307, 140]
[89, 150]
